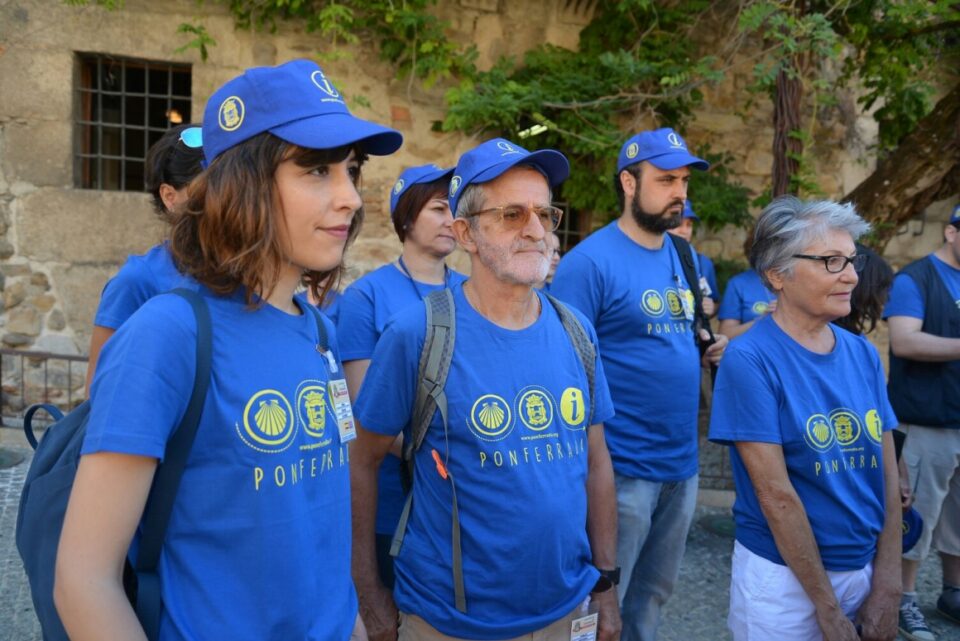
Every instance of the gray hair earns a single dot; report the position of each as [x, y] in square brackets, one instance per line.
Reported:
[788, 225]
[473, 198]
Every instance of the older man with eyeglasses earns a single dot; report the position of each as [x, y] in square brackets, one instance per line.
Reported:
[511, 526]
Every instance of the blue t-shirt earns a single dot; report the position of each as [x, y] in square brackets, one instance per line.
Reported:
[518, 405]
[140, 279]
[630, 295]
[709, 271]
[828, 412]
[905, 297]
[258, 545]
[362, 312]
[746, 298]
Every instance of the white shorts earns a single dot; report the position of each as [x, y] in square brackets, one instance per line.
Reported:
[767, 602]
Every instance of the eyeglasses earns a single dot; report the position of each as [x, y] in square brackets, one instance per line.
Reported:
[836, 264]
[514, 217]
[192, 137]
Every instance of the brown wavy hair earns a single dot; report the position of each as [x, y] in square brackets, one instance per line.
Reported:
[227, 236]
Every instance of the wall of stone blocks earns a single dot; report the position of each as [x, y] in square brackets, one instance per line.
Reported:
[60, 244]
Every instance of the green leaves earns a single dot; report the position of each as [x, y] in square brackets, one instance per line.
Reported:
[200, 40]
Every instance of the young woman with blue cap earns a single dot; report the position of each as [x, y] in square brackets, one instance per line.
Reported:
[423, 222]
[258, 543]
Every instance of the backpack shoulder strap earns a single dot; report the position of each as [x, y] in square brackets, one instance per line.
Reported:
[435, 359]
[586, 351]
[434, 364]
[163, 492]
[687, 262]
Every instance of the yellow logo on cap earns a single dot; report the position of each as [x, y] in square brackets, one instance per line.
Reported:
[398, 187]
[633, 150]
[230, 115]
[454, 185]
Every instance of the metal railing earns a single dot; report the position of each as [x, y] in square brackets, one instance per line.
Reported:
[28, 377]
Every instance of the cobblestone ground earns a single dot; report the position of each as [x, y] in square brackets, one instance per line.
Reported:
[697, 610]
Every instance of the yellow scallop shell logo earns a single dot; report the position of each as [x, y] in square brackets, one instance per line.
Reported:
[761, 307]
[398, 187]
[231, 113]
[633, 150]
[268, 419]
[490, 417]
[818, 433]
[652, 303]
[454, 184]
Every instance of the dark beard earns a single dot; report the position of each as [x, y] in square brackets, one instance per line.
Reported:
[655, 223]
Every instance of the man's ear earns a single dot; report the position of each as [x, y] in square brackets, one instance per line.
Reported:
[463, 232]
[628, 182]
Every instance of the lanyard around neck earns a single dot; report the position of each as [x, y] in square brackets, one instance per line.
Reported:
[406, 272]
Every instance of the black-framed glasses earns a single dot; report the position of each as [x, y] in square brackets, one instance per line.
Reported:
[192, 137]
[514, 217]
[836, 264]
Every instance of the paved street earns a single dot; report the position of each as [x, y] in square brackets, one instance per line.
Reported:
[696, 612]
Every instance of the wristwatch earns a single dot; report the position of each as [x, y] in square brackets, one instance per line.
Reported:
[607, 581]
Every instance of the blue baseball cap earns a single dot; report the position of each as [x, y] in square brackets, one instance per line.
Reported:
[688, 211]
[416, 176]
[294, 101]
[489, 160]
[955, 216]
[912, 529]
[664, 148]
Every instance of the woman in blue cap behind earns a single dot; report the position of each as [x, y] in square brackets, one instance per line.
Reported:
[171, 164]
[423, 222]
[258, 543]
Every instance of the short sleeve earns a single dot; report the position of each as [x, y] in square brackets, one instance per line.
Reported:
[905, 298]
[578, 283]
[144, 380]
[745, 402]
[732, 302]
[385, 402]
[356, 324]
[125, 293]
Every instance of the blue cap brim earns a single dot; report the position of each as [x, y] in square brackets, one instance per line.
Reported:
[552, 163]
[435, 175]
[676, 160]
[337, 130]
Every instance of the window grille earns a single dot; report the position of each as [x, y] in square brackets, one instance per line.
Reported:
[124, 105]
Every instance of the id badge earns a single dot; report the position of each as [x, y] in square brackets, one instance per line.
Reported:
[705, 286]
[584, 628]
[686, 300]
[342, 409]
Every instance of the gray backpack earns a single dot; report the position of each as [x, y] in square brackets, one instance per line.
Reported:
[435, 359]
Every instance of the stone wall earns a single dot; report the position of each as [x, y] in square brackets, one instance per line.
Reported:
[59, 244]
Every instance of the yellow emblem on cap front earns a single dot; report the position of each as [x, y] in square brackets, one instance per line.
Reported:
[633, 150]
[230, 115]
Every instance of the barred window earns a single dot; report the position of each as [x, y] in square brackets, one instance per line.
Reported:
[124, 105]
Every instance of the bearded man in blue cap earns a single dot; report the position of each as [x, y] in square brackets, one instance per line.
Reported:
[628, 279]
[511, 526]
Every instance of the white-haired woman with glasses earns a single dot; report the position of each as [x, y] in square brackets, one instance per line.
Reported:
[171, 164]
[803, 405]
